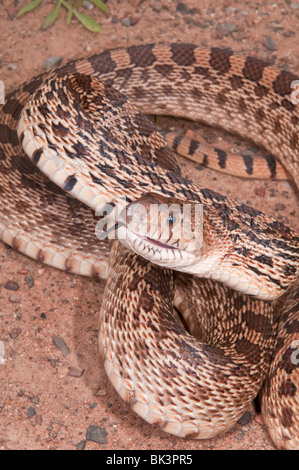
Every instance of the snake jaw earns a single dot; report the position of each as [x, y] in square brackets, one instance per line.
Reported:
[153, 250]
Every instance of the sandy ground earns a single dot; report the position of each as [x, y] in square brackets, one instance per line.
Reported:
[54, 391]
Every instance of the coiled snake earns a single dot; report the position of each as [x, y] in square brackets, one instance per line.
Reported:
[94, 144]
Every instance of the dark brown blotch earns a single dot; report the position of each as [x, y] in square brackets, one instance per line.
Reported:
[8, 135]
[164, 69]
[236, 82]
[33, 84]
[203, 72]
[257, 322]
[142, 56]
[248, 210]
[63, 113]
[261, 91]
[294, 141]
[251, 351]
[288, 105]
[264, 260]
[220, 60]
[146, 302]
[287, 388]
[283, 82]
[124, 73]
[59, 129]
[102, 62]
[183, 54]
[253, 69]
[212, 195]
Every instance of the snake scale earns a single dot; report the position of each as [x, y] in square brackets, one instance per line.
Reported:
[192, 387]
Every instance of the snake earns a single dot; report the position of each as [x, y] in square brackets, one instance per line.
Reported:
[93, 152]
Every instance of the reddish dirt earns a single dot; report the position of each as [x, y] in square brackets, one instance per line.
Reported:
[49, 399]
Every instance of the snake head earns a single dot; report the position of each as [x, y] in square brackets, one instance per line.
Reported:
[167, 231]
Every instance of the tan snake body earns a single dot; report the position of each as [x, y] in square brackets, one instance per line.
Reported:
[243, 95]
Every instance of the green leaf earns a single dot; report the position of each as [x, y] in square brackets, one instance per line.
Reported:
[88, 22]
[52, 16]
[29, 7]
[69, 16]
[101, 5]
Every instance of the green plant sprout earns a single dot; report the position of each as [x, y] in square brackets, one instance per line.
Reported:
[72, 7]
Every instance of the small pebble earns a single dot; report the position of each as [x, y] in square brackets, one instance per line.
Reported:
[60, 344]
[38, 420]
[126, 21]
[15, 332]
[134, 20]
[88, 5]
[184, 9]
[34, 400]
[96, 434]
[30, 281]
[156, 7]
[52, 61]
[295, 6]
[229, 27]
[74, 372]
[231, 9]
[15, 298]
[270, 44]
[93, 405]
[31, 412]
[23, 271]
[12, 285]
[245, 418]
[288, 34]
[81, 445]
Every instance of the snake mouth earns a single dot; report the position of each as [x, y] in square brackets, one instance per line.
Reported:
[130, 235]
[142, 244]
[160, 244]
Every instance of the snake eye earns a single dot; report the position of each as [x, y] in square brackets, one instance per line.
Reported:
[172, 219]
